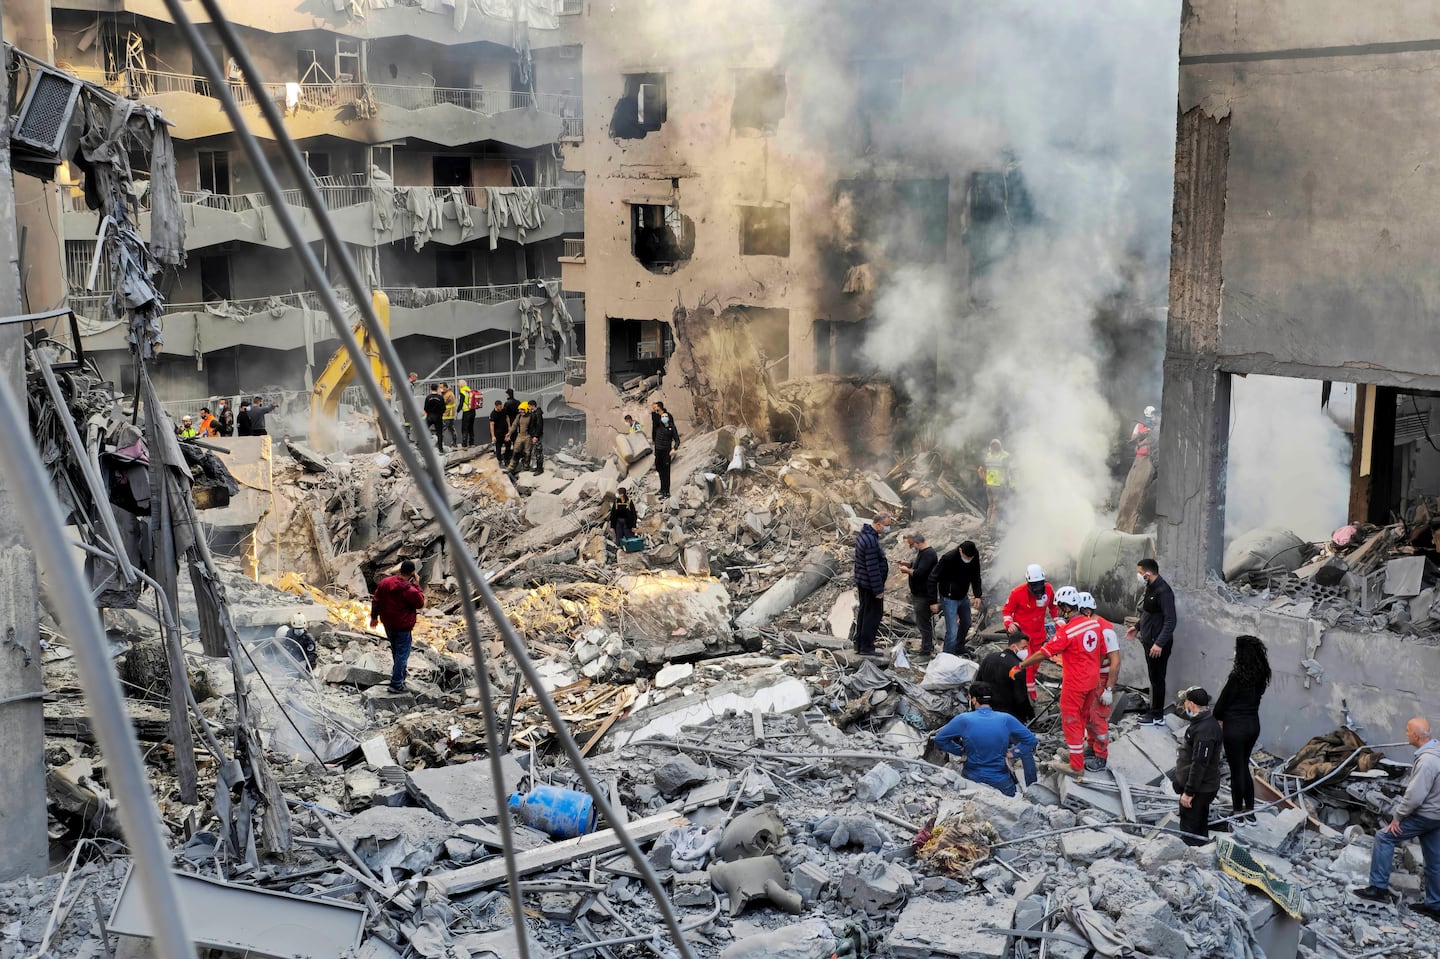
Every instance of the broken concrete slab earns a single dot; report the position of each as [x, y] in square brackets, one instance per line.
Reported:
[768, 693]
[1155, 925]
[872, 885]
[1272, 830]
[248, 921]
[405, 838]
[809, 880]
[673, 674]
[1404, 576]
[811, 939]
[1090, 845]
[958, 929]
[542, 508]
[463, 793]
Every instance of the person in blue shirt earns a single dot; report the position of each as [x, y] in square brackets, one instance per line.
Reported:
[986, 738]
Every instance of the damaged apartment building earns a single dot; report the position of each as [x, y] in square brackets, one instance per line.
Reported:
[433, 132]
[750, 178]
[1303, 247]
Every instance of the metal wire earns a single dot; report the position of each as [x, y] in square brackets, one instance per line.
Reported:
[433, 491]
[44, 527]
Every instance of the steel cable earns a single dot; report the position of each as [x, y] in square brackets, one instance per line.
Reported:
[469, 574]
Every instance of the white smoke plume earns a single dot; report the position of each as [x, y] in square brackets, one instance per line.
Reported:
[1080, 99]
[1289, 463]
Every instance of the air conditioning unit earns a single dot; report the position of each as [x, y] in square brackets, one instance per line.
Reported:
[45, 117]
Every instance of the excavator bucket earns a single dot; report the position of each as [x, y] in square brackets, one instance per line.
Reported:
[339, 373]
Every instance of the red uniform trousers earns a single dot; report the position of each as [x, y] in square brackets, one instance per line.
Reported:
[1097, 729]
[1032, 671]
[1076, 706]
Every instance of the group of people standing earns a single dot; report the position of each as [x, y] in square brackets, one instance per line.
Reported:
[250, 421]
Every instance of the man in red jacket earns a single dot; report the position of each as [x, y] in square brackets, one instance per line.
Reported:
[396, 601]
[1025, 611]
[1080, 643]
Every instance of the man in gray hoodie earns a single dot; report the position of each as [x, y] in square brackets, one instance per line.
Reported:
[1417, 816]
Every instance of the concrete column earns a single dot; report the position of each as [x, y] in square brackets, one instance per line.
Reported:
[1195, 406]
[22, 730]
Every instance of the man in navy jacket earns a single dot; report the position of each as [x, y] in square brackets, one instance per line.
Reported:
[871, 571]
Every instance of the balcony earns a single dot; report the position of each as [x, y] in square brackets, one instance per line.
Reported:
[361, 112]
[213, 218]
[446, 312]
[572, 265]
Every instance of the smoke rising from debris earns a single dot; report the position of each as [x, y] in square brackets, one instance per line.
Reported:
[1289, 462]
[1076, 104]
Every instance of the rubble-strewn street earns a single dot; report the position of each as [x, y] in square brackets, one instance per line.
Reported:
[786, 791]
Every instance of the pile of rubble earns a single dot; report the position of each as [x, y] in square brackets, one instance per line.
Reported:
[1365, 577]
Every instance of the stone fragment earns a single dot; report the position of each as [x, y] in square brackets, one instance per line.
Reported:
[957, 929]
[1090, 845]
[693, 889]
[464, 792]
[673, 674]
[403, 838]
[877, 783]
[811, 939]
[1160, 850]
[1151, 926]
[1274, 830]
[809, 880]
[679, 774]
[873, 885]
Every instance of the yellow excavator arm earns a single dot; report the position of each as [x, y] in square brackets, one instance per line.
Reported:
[339, 373]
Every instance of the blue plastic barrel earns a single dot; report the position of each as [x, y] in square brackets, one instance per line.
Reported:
[560, 813]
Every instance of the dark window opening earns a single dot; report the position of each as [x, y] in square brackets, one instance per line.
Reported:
[642, 107]
[214, 278]
[214, 171]
[450, 170]
[765, 230]
[661, 237]
[638, 351]
[837, 347]
[999, 207]
[319, 163]
[453, 269]
[759, 101]
[912, 216]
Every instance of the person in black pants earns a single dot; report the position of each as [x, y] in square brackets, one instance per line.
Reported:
[1197, 767]
[666, 442]
[622, 516]
[1238, 712]
[1156, 633]
[435, 415]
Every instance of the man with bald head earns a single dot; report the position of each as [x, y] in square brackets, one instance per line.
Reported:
[1417, 816]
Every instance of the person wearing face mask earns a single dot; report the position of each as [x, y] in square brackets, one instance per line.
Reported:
[1080, 643]
[871, 571]
[1025, 612]
[1009, 694]
[1156, 632]
[954, 576]
[1197, 766]
[666, 443]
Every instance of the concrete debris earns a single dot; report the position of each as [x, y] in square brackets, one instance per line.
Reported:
[962, 928]
[463, 793]
[873, 885]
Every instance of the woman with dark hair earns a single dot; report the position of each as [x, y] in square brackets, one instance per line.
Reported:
[622, 516]
[1238, 711]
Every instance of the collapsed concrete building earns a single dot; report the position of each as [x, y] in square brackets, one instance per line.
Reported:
[1300, 251]
[434, 138]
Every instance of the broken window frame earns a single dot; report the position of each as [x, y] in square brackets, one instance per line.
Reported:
[669, 223]
[760, 229]
[755, 110]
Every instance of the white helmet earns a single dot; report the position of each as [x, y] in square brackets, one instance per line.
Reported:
[1066, 596]
[298, 621]
[1149, 412]
[1034, 574]
[1085, 601]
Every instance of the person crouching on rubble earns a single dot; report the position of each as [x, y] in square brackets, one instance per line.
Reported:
[396, 601]
[1197, 766]
[622, 516]
[987, 739]
[1417, 816]
[298, 641]
[1080, 642]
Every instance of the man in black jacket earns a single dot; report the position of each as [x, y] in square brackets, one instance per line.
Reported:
[666, 442]
[258, 409]
[435, 415]
[1157, 634]
[1010, 695]
[924, 603]
[1197, 767]
[956, 575]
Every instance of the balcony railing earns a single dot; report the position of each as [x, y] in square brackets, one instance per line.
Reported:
[92, 305]
[573, 247]
[317, 96]
[338, 192]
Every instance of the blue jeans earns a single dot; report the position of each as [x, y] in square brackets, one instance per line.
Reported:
[1382, 859]
[400, 641]
[1000, 778]
[957, 623]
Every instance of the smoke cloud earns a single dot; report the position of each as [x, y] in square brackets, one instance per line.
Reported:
[1289, 462]
[1078, 104]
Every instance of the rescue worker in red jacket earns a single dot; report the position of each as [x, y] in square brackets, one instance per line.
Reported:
[1097, 729]
[1082, 647]
[1025, 612]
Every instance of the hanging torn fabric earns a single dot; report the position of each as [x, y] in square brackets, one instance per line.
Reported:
[458, 203]
[167, 222]
[518, 205]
